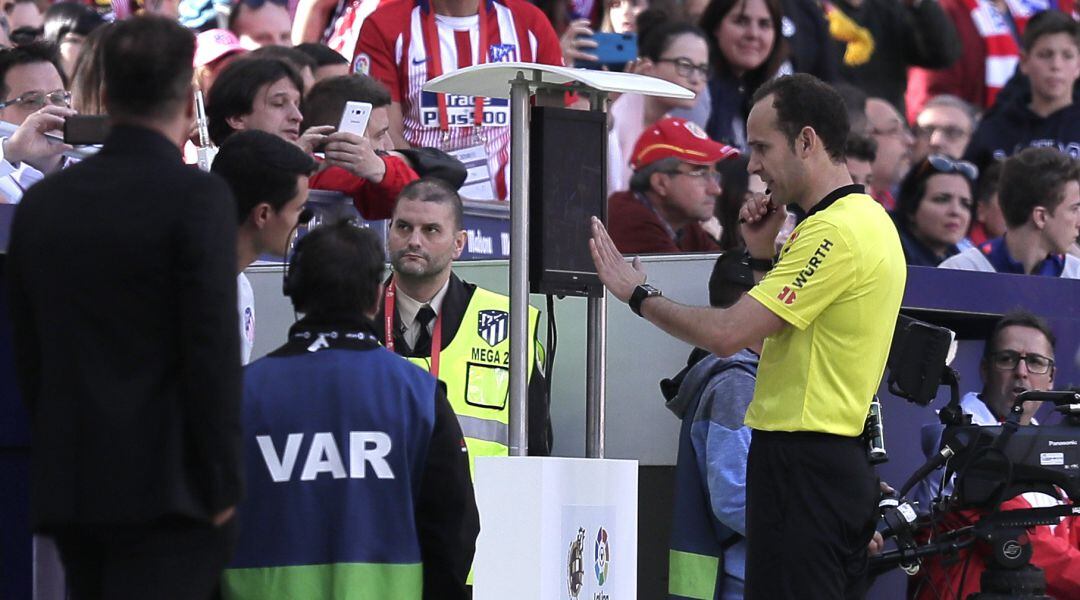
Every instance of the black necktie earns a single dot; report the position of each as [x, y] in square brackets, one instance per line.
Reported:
[422, 347]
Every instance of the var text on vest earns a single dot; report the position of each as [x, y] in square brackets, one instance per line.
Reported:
[324, 456]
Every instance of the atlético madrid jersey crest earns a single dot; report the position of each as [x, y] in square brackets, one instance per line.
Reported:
[492, 326]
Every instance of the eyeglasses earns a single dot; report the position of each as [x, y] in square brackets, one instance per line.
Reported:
[946, 165]
[951, 132]
[1006, 360]
[703, 175]
[684, 67]
[37, 99]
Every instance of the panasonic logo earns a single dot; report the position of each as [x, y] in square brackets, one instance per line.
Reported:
[1065, 443]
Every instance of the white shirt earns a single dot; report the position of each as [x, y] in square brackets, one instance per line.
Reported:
[14, 181]
[407, 308]
[973, 259]
[245, 301]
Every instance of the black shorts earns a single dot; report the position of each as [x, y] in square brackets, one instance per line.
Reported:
[811, 508]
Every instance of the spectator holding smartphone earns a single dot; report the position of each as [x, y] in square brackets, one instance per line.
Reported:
[669, 50]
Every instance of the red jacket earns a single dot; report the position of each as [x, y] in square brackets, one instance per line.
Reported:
[636, 229]
[1055, 550]
[374, 200]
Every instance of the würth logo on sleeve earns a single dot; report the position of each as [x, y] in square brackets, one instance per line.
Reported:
[812, 265]
[493, 326]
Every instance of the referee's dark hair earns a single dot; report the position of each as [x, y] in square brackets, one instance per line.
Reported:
[261, 167]
[337, 269]
[429, 189]
[802, 100]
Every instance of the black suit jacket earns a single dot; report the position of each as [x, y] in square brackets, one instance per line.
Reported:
[456, 300]
[123, 296]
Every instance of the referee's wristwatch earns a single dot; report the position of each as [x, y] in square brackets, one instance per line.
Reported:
[642, 292]
[761, 265]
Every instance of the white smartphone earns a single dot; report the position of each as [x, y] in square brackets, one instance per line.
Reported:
[355, 117]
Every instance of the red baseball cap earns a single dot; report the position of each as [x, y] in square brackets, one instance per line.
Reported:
[681, 139]
[213, 44]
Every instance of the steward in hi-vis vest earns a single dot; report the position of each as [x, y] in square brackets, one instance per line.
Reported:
[457, 331]
[474, 363]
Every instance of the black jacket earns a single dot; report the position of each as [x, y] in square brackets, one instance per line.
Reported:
[458, 295]
[904, 36]
[811, 50]
[1010, 127]
[123, 297]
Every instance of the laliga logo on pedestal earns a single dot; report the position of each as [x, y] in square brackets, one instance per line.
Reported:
[602, 558]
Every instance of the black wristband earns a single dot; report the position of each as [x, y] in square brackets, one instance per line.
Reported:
[762, 265]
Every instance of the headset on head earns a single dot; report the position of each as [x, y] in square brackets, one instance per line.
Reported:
[291, 282]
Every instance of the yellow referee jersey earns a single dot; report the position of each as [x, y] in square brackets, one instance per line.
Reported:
[838, 284]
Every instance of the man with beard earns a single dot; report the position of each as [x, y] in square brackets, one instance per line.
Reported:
[457, 331]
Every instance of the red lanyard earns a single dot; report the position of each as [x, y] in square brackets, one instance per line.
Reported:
[434, 68]
[388, 319]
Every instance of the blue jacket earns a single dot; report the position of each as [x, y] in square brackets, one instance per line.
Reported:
[358, 483]
[709, 518]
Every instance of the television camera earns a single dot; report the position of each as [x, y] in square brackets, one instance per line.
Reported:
[991, 465]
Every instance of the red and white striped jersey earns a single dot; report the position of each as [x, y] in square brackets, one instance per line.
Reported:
[392, 49]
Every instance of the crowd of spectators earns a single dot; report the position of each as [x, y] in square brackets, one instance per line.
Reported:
[914, 99]
[963, 118]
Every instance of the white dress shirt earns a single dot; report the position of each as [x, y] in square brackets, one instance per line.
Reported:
[407, 308]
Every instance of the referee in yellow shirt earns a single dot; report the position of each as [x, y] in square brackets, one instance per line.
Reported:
[826, 312]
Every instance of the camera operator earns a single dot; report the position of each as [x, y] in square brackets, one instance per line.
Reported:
[1018, 357]
[826, 311]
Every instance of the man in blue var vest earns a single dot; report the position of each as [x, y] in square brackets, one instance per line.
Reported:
[708, 533]
[357, 470]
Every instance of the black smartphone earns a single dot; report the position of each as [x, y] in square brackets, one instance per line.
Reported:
[86, 130]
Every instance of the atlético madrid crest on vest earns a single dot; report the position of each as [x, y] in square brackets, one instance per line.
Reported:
[492, 326]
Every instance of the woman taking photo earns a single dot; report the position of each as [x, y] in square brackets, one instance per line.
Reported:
[669, 50]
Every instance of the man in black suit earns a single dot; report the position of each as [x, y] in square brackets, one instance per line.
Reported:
[123, 294]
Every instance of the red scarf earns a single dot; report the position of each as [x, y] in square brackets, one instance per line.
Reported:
[1002, 50]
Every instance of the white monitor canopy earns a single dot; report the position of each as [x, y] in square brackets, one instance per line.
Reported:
[492, 80]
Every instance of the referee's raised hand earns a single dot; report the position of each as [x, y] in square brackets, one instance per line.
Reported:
[619, 277]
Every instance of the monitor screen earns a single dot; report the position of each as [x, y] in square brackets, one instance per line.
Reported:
[567, 179]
